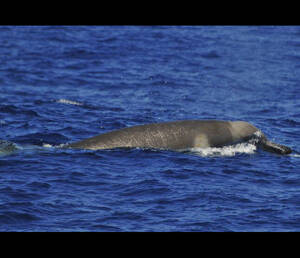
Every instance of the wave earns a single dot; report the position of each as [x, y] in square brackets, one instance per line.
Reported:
[210, 55]
[40, 138]
[14, 110]
[14, 217]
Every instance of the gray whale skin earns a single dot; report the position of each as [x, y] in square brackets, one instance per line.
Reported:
[179, 135]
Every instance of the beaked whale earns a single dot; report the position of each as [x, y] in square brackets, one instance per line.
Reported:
[179, 135]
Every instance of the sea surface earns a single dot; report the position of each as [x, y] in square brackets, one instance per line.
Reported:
[60, 84]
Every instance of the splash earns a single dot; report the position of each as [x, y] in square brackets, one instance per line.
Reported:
[232, 150]
[247, 147]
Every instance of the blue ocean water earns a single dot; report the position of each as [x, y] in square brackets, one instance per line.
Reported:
[60, 84]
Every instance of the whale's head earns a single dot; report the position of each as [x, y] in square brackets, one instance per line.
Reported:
[241, 130]
[275, 147]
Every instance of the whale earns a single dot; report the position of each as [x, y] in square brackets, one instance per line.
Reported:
[181, 135]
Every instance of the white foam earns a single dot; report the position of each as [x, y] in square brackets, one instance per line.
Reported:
[295, 155]
[69, 102]
[258, 133]
[231, 150]
[46, 145]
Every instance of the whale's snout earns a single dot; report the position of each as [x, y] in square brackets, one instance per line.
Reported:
[275, 147]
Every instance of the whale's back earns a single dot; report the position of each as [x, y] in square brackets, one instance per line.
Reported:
[167, 135]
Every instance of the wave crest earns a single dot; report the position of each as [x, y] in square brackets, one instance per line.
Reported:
[69, 102]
